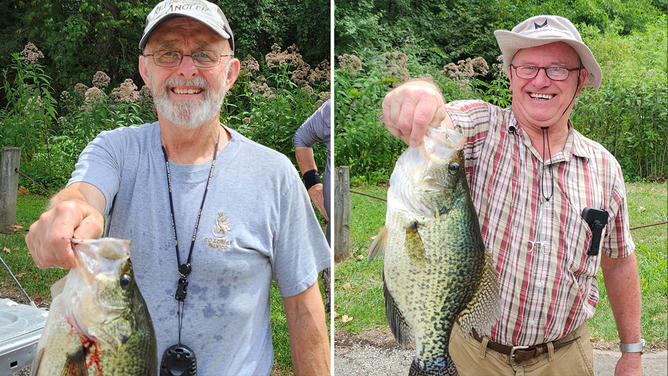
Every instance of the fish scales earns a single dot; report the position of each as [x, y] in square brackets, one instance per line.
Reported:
[98, 321]
[436, 268]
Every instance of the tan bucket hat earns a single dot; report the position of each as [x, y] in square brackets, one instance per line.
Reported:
[541, 30]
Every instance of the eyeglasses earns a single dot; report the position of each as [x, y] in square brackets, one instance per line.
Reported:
[201, 59]
[528, 72]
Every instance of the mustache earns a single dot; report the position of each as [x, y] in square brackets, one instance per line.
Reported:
[179, 81]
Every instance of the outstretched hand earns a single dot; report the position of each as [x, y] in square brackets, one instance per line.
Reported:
[410, 109]
[70, 216]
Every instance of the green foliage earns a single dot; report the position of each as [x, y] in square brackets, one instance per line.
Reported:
[627, 114]
[272, 98]
[363, 299]
[361, 142]
[269, 102]
[446, 31]
[647, 205]
[35, 281]
[31, 106]
[84, 36]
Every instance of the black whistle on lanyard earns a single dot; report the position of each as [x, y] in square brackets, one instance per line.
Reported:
[597, 219]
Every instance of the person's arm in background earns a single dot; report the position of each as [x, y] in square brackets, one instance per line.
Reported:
[311, 132]
[306, 163]
[76, 211]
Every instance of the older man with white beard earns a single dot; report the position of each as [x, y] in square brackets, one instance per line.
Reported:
[239, 209]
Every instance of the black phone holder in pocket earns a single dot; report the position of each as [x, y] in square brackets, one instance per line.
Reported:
[596, 219]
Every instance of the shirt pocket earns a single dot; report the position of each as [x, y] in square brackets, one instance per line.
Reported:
[577, 240]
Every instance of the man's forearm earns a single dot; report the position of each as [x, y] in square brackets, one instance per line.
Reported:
[66, 194]
[309, 344]
[80, 191]
[623, 289]
[305, 159]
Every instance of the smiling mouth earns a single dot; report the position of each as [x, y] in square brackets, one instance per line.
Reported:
[177, 90]
[541, 96]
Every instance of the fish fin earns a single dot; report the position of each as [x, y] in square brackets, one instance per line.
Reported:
[395, 320]
[446, 367]
[75, 364]
[378, 246]
[414, 246]
[482, 311]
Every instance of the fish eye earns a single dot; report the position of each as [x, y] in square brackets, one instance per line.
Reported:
[453, 168]
[126, 280]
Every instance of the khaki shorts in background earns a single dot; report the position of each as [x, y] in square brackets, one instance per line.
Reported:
[472, 360]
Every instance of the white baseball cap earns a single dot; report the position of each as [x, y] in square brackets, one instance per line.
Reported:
[541, 30]
[200, 10]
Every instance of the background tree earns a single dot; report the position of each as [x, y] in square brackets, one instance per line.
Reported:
[80, 37]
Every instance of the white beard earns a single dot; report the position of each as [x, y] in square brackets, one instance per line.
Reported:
[188, 114]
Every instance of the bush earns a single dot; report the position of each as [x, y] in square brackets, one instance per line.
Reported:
[361, 141]
[272, 98]
[269, 102]
[627, 114]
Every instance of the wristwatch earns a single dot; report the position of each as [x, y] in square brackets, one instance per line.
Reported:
[632, 347]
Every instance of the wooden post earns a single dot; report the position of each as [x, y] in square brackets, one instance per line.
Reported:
[9, 185]
[342, 214]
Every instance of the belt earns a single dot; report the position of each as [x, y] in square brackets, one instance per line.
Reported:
[521, 353]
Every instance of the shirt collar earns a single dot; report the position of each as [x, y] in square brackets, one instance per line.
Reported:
[575, 143]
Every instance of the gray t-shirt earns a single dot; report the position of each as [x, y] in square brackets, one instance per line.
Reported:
[257, 224]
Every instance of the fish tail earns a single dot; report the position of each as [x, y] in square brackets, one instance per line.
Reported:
[445, 367]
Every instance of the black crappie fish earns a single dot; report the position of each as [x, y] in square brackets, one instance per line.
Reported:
[98, 323]
[436, 268]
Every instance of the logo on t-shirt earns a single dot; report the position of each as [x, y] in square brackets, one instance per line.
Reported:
[219, 231]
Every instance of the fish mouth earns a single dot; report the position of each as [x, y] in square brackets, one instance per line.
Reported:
[186, 90]
[542, 96]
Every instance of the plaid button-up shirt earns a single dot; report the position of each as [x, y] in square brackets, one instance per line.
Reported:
[547, 288]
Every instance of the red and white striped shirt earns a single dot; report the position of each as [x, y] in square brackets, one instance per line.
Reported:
[547, 289]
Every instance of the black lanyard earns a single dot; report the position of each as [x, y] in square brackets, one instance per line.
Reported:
[184, 269]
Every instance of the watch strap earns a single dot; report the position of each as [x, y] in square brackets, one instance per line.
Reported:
[632, 347]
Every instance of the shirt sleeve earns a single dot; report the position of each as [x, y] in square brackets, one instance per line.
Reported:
[473, 118]
[315, 128]
[99, 165]
[300, 247]
[618, 241]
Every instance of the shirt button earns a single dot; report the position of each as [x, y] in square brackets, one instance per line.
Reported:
[533, 322]
[540, 284]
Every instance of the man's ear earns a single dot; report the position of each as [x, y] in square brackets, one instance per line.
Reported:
[232, 74]
[583, 76]
[143, 70]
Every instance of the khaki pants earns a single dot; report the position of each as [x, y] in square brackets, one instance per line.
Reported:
[472, 359]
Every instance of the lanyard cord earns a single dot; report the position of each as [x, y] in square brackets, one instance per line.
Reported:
[184, 269]
[546, 140]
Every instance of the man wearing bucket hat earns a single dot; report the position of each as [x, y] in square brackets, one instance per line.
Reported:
[238, 210]
[551, 204]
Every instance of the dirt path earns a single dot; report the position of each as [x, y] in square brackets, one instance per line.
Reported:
[375, 353]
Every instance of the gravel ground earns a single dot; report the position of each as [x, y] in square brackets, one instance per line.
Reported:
[375, 353]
